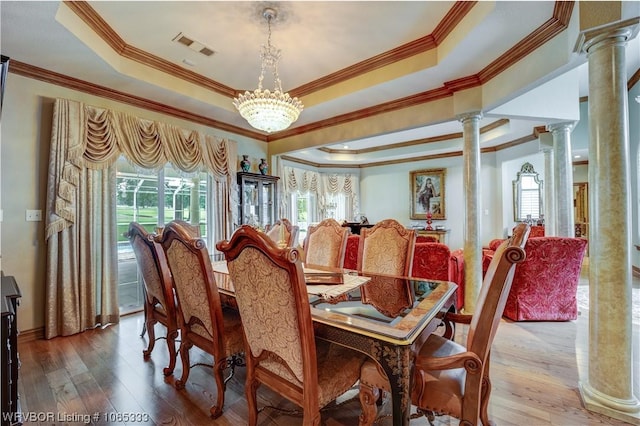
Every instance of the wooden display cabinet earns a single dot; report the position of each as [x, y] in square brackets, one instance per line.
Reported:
[258, 198]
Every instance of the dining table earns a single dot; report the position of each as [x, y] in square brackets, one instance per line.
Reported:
[386, 317]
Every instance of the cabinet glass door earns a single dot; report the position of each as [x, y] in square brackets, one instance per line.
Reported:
[251, 213]
[267, 203]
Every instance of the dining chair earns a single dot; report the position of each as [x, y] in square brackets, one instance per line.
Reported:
[325, 244]
[281, 349]
[159, 301]
[194, 230]
[204, 322]
[283, 231]
[451, 378]
[387, 248]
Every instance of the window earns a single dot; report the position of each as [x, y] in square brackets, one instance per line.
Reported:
[338, 207]
[153, 199]
[303, 207]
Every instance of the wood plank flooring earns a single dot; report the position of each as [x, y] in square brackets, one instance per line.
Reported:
[534, 372]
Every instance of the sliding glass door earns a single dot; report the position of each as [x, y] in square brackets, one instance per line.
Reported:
[153, 198]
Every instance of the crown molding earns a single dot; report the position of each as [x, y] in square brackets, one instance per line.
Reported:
[440, 138]
[36, 73]
[94, 21]
[421, 45]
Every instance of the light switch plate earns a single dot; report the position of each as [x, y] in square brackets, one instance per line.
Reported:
[34, 215]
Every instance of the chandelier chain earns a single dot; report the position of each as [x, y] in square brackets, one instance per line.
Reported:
[269, 58]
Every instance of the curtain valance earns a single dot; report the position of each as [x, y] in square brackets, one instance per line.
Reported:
[311, 181]
[95, 137]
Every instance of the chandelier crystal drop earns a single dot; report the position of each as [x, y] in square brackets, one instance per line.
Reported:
[269, 111]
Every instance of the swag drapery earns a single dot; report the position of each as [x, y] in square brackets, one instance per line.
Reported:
[321, 185]
[82, 263]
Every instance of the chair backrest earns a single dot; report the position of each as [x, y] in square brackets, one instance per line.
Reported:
[432, 261]
[283, 230]
[273, 302]
[387, 248]
[390, 296]
[194, 230]
[198, 298]
[155, 271]
[545, 286]
[494, 292]
[325, 244]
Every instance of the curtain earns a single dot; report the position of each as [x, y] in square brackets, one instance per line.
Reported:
[321, 185]
[81, 218]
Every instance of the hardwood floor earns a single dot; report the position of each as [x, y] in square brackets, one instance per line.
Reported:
[534, 372]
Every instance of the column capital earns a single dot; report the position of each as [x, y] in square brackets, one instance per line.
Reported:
[477, 115]
[622, 31]
[562, 126]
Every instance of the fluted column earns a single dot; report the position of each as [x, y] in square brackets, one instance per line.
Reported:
[471, 180]
[608, 389]
[563, 178]
[549, 194]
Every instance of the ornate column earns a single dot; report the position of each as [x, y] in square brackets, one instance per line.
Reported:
[563, 178]
[546, 146]
[471, 181]
[549, 195]
[608, 389]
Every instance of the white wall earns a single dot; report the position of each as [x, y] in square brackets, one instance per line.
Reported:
[385, 193]
[26, 128]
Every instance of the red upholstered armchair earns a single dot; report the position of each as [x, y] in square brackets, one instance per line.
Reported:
[435, 261]
[545, 285]
[351, 252]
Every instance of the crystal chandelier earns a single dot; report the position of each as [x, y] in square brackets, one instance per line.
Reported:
[265, 110]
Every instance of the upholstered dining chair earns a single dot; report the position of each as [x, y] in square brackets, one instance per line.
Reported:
[159, 301]
[451, 378]
[386, 248]
[325, 244]
[281, 350]
[284, 230]
[194, 230]
[204, 323]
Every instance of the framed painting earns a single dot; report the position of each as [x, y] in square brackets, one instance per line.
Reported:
[427, 193]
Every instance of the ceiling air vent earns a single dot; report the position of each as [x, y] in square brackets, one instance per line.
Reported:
[193, 45]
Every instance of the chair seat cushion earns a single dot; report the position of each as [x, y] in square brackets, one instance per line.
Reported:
[441, 388]
[338, 370]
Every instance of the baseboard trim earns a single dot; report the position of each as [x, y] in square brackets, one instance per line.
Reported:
[31, 335]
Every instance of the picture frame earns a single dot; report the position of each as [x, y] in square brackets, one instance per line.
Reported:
[423, 199]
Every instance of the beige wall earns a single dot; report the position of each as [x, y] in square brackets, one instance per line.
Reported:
[25, 135]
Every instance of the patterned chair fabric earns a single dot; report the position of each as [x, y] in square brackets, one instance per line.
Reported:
[325, 244]
[351, 252]
[387, 248]
[281, 349]
[449, 377]
[159, 302]
[457, 266]
[435, 261]
[537, 231]
[545, 285]
[203, 321]
[426, 239]
[284, 230]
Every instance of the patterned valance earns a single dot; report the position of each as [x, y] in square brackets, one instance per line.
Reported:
[95, 137]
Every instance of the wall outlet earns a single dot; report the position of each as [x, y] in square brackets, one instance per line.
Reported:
[34, 215]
